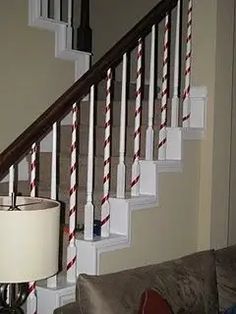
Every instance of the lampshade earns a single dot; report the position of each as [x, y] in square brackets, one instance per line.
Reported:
[29, 239]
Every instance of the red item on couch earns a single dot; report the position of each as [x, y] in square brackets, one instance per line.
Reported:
[153, 303]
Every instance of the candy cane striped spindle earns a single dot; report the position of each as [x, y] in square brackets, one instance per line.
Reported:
[33, 169]
[135, 182]
[175, 98]
[105, 210]
[32, 298]
[164, 95]
[186, 95]
[71, 249]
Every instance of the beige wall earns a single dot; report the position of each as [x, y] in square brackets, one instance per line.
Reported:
[31, 78]
[169, 230]
[110, 20]
[232, 213]
[212, 67]
[222, 124]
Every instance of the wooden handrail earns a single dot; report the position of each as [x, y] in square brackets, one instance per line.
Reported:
[62, 106]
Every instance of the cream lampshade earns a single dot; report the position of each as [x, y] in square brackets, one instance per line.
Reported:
[29, 239]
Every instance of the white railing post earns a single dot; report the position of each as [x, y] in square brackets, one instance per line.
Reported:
[164, 95]
[89, 207]
[186, 95]
[121, 171]
[44, 8]
[105, 210]
[69, 33]
[175, 98]
[71, 249]
[11, 180]
[149, 131]
[52, 281]
[57, 10]
[32, 298]
[135, 180]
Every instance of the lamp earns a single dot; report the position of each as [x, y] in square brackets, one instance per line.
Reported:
[29, 246]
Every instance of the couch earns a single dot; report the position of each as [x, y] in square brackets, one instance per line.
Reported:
[203, 282]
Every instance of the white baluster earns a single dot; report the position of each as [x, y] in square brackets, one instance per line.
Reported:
[175, 98]
[71, 249]
[105, 210]
[89, 207]
[135, 180]
[162, 131]
[32, 299]
[57, 10]
[186, 96]
[52, 281]
[11, 180]
[149, 131]
[44, 11]
[121, 172]
[69, 25]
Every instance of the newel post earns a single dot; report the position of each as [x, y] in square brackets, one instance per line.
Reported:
[84, 32]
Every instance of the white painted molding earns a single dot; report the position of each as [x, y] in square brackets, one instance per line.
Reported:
[174, 143]
[61, 33]
[198, 103]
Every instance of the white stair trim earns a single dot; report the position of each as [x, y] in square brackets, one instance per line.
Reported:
[82, 59]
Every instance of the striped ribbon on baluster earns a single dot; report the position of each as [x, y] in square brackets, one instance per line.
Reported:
[32, 299]
[105, 209]
[186, 94]
[137, 124]
[71, 250]
[164, 95]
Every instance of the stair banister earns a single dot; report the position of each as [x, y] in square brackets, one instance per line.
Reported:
[44, 8]
[71, 248]
[186, 94]
[135, 176]
[52, 282]
[89, 207]
[69, 33]
[105, 204]
[164, 93]
[79, 89]
[32, 299]
[175, 98]
[121, 169]
[151, 96]
[84, 32]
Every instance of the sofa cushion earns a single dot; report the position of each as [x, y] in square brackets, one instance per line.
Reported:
[186, 283]
[226, 277]
[152, 303]
[189, 284]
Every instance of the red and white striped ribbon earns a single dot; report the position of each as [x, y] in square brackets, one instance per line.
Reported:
[164, 95]
[186, 94]
[71, 250]
[137, 124]
[32, 299]
[105, 208]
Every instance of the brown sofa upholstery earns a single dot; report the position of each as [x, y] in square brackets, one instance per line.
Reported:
[203, 282]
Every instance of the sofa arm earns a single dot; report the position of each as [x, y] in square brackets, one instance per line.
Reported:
[70, 308]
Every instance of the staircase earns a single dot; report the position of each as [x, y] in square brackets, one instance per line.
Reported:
[122, 138]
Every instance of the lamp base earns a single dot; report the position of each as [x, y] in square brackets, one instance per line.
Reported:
[12, 296]
[11, 311]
